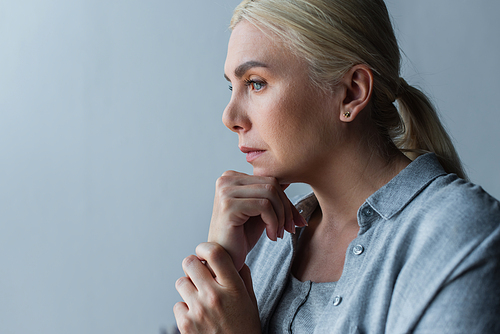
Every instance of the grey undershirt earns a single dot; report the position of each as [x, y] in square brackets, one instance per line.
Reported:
[301, 306]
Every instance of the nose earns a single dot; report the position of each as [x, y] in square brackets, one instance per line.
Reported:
[235, 118]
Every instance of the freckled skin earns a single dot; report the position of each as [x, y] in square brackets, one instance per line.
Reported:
[287, 116]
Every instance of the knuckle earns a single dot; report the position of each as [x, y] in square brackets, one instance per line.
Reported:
[184, 323]
[227, 176]
[270, 188]
[226, 204]
[265, 203]
[212, 252]
[188, 261]
[224, 181]
[221, 181]
[213, 300]
[181, 281]
[178, 307]
[228, 173]
[225, 192]
[273, 181]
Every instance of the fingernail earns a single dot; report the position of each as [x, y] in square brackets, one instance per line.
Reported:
[289, 226]
[304, 221]
[281, 232]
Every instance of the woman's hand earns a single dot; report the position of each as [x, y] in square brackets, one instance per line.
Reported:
[222, 302]
[244, 206]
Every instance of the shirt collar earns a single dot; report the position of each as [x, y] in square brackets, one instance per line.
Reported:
[396, 194]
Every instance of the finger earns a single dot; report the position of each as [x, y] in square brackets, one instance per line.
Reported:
[181, 317]
[232, 181]
[186, 289]
[263, 191]
[298, 218]
[289, 207]
[180, 309]
[243, 209]
[221, 263]
[198, 274]
[234, 173]
[288, 223]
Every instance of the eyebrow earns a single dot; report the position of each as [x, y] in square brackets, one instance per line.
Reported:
[243, 68]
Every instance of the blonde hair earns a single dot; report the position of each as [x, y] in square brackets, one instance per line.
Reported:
[335, 35]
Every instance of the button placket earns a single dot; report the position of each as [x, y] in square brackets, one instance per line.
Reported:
[354, 260]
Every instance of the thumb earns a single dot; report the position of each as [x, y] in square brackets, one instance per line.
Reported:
[246, 276]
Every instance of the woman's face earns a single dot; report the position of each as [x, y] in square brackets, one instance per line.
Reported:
[286, 125]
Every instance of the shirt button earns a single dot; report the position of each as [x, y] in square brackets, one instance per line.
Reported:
[358, 249]
[367, 212]
[337, 301]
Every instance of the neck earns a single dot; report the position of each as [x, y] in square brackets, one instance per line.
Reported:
[343, 184]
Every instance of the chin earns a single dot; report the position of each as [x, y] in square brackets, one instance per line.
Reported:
[263, 172]
[281, 176]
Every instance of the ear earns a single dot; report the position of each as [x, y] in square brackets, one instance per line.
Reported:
[358, 84]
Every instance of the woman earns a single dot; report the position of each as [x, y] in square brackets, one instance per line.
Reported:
[393, 238]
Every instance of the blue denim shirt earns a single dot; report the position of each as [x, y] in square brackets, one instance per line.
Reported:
[426, 260]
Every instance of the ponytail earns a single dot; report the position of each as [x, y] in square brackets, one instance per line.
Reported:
[332, 36]
[423, 131]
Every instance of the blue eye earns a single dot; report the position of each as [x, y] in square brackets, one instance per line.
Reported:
[255, 85]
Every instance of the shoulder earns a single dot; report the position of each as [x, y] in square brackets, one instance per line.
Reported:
[456, 203]
[462, 192]
[445, 248]
[445, 228]
[453, 225]
[462, 227]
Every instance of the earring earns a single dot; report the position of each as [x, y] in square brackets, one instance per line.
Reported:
[347, 114]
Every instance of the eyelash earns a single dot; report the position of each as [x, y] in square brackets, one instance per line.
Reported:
[249, 83]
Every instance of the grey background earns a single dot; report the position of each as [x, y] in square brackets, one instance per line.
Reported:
[111, 141]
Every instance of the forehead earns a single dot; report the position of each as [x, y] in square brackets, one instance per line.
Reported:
[249, 43]
[245, 33]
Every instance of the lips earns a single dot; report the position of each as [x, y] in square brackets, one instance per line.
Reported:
[252, 153]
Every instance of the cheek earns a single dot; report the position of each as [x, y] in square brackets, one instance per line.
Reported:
[285, 122]
[294, 119]
[276, 117]
[287, 129]
[313, 127]
[306, 113]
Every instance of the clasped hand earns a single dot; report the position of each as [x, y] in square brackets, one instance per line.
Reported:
[217, 289]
